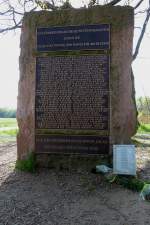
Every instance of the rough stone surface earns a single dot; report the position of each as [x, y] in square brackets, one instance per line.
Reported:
[123, 121]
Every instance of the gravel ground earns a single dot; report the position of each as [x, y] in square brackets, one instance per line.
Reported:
[51, 197]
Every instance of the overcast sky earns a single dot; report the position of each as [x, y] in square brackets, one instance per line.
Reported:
[9, 68]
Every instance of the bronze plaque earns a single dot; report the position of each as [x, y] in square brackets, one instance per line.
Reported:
[72, 93]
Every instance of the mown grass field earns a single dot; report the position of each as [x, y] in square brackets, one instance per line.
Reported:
[12, 132]
[8, 129]
[8, 122]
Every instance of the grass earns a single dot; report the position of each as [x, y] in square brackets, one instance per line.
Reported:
[130, 182]
[27, 165]
[144, 128]
[12, 132]
[7, 139]
[8, 129]
[8, 122]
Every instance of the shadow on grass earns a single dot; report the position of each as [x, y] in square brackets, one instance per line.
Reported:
[143, 171]
[143, 137]
[139, 141]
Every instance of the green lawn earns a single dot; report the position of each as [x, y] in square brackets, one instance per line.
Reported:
[144, 128]
[8, 129]
[12, 132]
[8, 122]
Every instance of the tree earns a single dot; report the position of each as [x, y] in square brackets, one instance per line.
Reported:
[12, 11]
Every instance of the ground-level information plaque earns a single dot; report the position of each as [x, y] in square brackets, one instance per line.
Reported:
[72, 98]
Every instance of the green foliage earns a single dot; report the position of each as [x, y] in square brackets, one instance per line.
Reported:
[27, 165]
[11, 132]
[130, 182]
[143, 105]
[8, 129]
[7, 113]
[144, 128]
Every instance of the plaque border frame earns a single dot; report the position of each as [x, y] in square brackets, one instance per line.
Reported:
[104, 52]
[81, 48]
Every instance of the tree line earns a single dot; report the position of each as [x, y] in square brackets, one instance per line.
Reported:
[7, 113]
[143, 105]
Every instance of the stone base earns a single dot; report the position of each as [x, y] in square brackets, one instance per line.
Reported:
[71, 162]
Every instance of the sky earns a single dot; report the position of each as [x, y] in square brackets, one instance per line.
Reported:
[9, 67]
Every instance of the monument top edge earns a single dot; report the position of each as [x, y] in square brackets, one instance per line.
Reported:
[98, 7]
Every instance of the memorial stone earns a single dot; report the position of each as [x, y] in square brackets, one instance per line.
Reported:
[76, 92]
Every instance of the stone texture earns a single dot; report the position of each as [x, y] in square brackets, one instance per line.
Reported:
[123, 110]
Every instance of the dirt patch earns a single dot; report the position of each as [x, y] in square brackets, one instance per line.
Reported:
[51, 197]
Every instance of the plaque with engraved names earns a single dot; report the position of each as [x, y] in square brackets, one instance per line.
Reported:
[72, 93]
[72, 105]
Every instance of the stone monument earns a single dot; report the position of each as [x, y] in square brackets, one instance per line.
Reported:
[76, 93]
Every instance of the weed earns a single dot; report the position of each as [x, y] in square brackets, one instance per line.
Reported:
[27, 165]
[130, 182]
